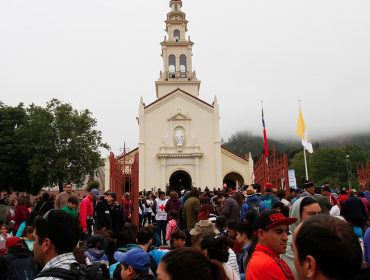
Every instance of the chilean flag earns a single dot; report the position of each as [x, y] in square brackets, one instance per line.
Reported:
[264, 137]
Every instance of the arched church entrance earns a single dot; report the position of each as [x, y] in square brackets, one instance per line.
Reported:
[180, 179]
[232, 178]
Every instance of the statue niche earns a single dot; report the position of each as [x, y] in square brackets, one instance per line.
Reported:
[179, 137]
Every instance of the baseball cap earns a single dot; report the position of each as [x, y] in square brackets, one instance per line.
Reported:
[269, 186]
[298, 190]
[95, 192]
[137, 258]
[350, 191]
[326, 188]
[271, 218]
[13, 241]
[93, 240]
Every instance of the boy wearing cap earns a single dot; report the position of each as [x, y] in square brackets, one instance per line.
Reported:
[135, 264]
[93, 253]
[271, 227]
[18, 256]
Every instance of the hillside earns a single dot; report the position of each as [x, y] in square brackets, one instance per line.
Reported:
[243, 142]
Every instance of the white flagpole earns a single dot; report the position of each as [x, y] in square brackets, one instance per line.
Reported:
[305, 162]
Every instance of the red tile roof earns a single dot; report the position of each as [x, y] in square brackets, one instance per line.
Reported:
[234, 153]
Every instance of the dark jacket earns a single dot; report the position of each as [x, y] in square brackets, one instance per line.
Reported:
[21, 266]
[356, 207]
[172, 204]
[103, 214]
[118, 218]
[231, 210]
[45, 206]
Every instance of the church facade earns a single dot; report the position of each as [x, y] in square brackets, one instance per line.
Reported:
[179, 137]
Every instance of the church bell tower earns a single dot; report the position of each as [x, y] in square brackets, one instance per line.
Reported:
[177, 56]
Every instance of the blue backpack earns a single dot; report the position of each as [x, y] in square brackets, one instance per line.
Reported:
[268, 203]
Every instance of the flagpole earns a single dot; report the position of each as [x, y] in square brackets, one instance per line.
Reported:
[305, 162]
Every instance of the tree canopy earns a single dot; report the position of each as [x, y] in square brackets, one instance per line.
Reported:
[329, 164]
[57, 143]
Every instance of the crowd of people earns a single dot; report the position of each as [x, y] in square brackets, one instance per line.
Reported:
[244, 233]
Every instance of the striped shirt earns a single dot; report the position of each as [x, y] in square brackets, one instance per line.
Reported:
[61, 261]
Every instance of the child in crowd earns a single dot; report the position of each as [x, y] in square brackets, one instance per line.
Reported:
[28, 237]
[3, 237]
[172, 225]
[220, 225]
[71, 206]
[156, 240]
[177, 239]
[93, 254]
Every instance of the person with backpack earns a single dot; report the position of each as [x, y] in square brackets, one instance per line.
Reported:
[18, 256]
[251, 203]
[268, 198]
[93, 254]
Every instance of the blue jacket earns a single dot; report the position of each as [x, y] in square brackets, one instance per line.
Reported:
[245, 206]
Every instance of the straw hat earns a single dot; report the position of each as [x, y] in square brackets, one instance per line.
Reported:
[249, 192]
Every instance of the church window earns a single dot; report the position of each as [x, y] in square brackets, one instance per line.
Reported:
[176, 35]
[172, 66]
[175, 7]
[183, 66]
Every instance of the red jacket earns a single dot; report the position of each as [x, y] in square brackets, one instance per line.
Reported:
[86, 209]
[343, 197]
[19, 217]
[266, 264]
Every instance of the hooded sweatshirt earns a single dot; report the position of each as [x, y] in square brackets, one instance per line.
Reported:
[96, 255]
[289, 254]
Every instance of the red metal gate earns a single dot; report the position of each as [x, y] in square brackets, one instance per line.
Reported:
[124, 177]
[275, 172]
[363, 176]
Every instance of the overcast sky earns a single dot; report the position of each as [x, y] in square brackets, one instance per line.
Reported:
[105, 55]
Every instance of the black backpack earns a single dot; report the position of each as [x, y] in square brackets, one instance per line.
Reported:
[97, 271]
[255, 206]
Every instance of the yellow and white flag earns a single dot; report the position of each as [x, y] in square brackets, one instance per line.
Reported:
[302, 131]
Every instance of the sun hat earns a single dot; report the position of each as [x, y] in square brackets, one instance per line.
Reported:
[204, 227]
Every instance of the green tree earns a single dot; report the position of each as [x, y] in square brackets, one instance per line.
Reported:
[60, 142]
[13, 166]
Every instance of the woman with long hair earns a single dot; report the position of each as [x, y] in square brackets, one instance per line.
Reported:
[20, 215]
[217, 249]
[189, 263]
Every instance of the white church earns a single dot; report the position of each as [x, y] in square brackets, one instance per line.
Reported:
[179, 135]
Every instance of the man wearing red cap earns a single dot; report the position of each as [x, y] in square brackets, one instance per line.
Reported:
[271, 227]
[268, 198]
